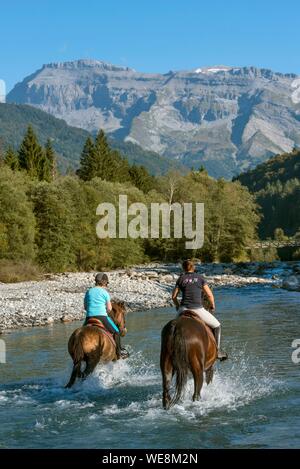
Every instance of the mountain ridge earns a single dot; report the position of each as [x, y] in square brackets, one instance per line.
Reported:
[227, 119]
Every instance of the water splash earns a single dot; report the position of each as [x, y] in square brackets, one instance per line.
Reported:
[135, 371]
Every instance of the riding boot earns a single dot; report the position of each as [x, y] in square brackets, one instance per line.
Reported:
[121, 352]
[217, 334]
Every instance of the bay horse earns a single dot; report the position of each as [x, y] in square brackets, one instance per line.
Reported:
[187, 344]
[93, 345]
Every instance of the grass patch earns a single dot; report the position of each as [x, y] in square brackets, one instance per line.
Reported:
[18, 271]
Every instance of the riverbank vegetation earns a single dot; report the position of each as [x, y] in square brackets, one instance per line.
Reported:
[275, 185]
[49, 220]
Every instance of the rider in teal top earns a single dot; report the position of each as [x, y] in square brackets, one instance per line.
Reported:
[97, 305]
[95, 301]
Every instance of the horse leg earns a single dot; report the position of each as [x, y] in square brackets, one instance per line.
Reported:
[209, 374]
[76, 373]
[92, 359]
[197, 371]
[167, 373]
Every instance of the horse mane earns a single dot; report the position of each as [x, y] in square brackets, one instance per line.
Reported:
[117, 307]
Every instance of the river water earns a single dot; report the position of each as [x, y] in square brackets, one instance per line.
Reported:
[254, 401]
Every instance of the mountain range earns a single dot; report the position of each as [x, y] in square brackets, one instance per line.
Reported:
[228, 119]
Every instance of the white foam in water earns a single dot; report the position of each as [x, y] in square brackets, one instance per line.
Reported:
[64, 404]
[233, 386]
[134, 372]
[15, 397]
[40, 425]
[236, 383]
[3, 397]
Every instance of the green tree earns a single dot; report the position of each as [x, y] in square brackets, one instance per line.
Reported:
[202, 169]
[101, 156]
[31, 157]
[48, 164]
[55, 227]
[86, 169]
[230, 217]
[11, 158]
[116, 168]
[141, 178]
[17, 222]
[279, 235]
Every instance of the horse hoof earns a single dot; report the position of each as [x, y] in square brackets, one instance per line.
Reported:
[124, 354]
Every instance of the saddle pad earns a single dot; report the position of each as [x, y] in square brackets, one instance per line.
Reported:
[190, 314]
[96, 322]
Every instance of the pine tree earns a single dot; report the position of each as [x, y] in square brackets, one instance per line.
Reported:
[30, 154]
[102, 156]
[86, 170]
[202, 169]
[11, 159]
[98, 160]
[141, 178]
[48, 163]
[115, 168]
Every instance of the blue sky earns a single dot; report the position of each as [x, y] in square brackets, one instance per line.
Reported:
[150, 36]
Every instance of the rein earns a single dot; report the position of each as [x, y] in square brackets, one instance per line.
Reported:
[121, 329]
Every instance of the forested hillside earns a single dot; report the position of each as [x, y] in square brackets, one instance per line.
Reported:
[276, 186]
[68, 141]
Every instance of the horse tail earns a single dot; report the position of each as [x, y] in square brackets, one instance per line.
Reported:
[78, 352]
[180, 363]
[78, 356]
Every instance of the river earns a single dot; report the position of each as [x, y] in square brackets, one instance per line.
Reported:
[254, 401]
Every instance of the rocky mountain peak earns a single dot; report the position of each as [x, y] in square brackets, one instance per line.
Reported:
[226, 118]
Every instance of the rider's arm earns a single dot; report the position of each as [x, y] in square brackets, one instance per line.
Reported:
[174, 297]
[209, 294]
[107, 301]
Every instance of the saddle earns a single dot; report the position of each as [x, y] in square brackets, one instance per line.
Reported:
[97, 323]
[187, 313]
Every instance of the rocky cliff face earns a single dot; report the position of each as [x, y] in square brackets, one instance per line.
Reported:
[226, 118]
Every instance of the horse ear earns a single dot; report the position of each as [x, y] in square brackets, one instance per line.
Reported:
[122, 304]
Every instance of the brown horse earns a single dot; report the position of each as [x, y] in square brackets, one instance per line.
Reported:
[187, 344]
[92, 345]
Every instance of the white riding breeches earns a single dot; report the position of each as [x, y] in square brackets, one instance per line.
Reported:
[203, 314]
